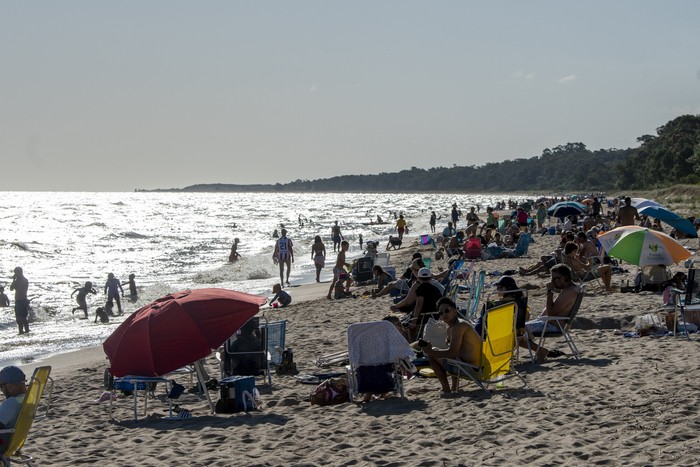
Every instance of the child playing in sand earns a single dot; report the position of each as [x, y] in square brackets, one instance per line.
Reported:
[4, 300]
[81, 298]
[281, 298]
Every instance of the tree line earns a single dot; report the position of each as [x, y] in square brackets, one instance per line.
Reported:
[671, 156]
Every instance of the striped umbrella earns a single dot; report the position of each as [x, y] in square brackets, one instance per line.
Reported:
[645, 247]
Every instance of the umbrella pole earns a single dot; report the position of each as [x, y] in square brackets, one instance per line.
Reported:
[199, 369]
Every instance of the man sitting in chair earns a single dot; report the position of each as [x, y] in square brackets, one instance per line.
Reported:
[462, 340]
[585, 269]
[561, 306]
[12, 384]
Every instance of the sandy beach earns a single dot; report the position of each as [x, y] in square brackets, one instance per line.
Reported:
[627, 401]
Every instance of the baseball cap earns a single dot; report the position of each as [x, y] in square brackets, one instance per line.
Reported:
[12, 375]
[506, 282]
[424, 273]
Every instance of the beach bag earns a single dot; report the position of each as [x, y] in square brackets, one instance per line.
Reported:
[330, 392]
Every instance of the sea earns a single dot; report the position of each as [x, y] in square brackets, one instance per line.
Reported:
[174, 241]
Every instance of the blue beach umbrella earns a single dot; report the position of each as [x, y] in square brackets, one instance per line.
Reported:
[671, 218]
[640, 203]
[566, 208]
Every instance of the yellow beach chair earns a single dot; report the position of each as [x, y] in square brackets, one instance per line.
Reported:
[26, 416]
[497, 350]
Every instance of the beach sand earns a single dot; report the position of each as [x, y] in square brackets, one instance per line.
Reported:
[627, 401]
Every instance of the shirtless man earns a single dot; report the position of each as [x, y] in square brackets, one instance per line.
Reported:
[339, 268]
[463, 344]
[627, 214]
[561, 306]
[20, 285]
[585, 269]
[586, 248]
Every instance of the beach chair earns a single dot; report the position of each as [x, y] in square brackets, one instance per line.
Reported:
[593, 274]
[563, 324]
[687, 301]
[468, 310]
[254, 349]
[27, 414]
[497, 350]
[522, 315]
[377, 353]
[522, 246]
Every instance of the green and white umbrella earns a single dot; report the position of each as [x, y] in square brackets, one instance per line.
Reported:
[643, 247]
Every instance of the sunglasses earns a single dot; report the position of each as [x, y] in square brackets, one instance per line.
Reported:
[443, 311]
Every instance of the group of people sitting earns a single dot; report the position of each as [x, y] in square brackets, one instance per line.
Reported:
[580, 252]
[421, 295]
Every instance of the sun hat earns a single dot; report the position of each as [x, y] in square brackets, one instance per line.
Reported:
[12, 375]
[424, 273]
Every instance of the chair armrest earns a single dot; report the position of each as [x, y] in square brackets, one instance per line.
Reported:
[553, 318]
[5, 431]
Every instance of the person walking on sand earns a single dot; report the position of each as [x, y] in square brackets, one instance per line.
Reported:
[318, 255]
[283, 254]
[339, 267]
[433, 220]
[336, 236]
[401, 226]
[20, 285]
[112, 288]
[82, 297]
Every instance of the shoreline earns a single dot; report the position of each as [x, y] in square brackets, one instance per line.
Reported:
[604, 408]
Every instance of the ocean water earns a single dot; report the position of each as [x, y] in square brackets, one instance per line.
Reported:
[173, 241]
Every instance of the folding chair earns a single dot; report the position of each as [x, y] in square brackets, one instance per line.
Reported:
[497, 350]
[27, 415]
[563, 326]
[377, 352]
[687, 300]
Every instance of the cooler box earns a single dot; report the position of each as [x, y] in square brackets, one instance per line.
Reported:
[552, 231]
[237, 394]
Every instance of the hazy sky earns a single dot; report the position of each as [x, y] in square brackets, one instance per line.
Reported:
[118, 95]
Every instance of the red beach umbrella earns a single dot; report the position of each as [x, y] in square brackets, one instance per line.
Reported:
[177, 330]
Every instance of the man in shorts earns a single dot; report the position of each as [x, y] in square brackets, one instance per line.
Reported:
[20, 285]
[463, 344]
[561, 279]
[284, 255]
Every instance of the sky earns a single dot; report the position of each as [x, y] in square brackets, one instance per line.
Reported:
[117, 96]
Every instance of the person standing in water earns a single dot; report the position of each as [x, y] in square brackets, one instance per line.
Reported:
[336, 236]
[4, 300]
[112, 288]
[82, 297]
[284, 255]
[20, 285]
[133, 293]
[234, 256]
